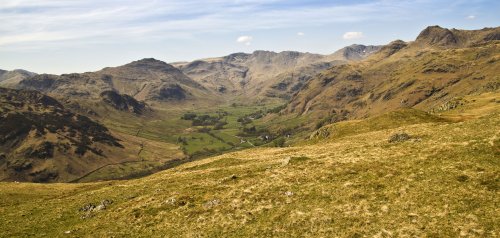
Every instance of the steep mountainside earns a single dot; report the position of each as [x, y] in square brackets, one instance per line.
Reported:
[41, 141]
[145, 80]
[431, 73]
[265, 73]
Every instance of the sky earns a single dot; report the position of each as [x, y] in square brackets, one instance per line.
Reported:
[65, 36]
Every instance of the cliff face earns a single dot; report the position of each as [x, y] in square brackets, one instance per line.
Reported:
[123, 102]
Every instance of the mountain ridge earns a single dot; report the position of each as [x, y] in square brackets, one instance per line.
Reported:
[425, 74]
[267, 73]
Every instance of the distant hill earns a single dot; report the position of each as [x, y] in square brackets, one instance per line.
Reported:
[12, 78]
[438, 67]
[266, 73]
[243, 76]
[144, 80]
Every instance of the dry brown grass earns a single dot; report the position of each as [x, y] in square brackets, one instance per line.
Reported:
[444, 182]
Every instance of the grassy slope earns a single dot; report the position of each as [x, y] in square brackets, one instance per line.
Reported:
[442, 183]
[422, 78]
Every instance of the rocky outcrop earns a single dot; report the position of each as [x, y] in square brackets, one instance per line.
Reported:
[436, 35]
[123, 102]
[355, 52]
[172, 92]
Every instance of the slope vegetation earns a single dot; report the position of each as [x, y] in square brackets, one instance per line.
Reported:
[36, 128]
[441, 181]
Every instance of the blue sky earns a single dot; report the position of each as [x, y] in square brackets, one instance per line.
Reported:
[63, 36]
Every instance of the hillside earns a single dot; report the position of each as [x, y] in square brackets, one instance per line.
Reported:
[266, 73]
[441, 180]
[42, 141]
[147, 80]
[438, 68]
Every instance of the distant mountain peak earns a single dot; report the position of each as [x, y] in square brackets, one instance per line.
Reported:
[355, 52]
[147, 62]
[436, 35]
[150, 64]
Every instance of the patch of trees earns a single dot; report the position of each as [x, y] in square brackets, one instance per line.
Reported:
[252, 131]
[207, 120]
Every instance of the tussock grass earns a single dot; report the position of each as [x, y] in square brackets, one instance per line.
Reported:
[443, 185]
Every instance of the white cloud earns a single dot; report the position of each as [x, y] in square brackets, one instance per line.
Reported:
[300, 33]
[353, 35]
[247, 40]
[471, 17]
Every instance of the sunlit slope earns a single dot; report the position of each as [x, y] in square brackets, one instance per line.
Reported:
[438, 67]
[442, 181]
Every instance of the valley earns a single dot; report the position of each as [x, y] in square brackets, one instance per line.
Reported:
[442, 180]
[143, 103]
[396, 140]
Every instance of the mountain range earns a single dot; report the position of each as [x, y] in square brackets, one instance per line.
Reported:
[120, 115]
[399, 140]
